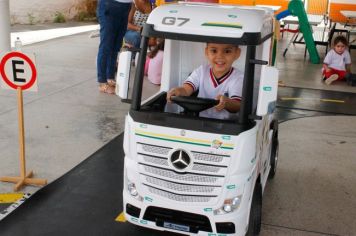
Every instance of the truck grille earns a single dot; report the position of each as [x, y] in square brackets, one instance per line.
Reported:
[202, 183]
[208, 157]
[155, 149]
[155, 160]
[180, 187]
[207, 168]
[175, 176]
[179, 198]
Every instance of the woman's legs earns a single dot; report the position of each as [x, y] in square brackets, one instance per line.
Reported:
[100, 12]
[133, 38]
[113, 22]
[119, 18]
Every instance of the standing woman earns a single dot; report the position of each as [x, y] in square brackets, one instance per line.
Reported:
[112, 16]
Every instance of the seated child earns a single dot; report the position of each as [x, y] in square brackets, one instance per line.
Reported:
[337, 62]
[154, 62]
[218, 80]
[139, 12]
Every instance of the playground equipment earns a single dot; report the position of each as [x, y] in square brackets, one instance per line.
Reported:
[296, 8]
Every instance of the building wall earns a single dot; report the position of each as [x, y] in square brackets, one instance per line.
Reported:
[39, 11]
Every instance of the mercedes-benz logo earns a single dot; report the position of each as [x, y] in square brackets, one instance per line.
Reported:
[180, 159]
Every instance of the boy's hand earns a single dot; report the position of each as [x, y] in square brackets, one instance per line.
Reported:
[327, 69]
[171, 93]
[228, 104]
[175, 92]
[222, 102]
[186, 90]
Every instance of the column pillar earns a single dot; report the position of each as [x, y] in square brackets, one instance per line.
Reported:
[5, 44]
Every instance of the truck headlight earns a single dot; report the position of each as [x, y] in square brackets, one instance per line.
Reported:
[227, 208]
[229, 205]
[131, 188]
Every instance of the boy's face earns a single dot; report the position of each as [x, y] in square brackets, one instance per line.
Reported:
[221, 57]
[339, 47]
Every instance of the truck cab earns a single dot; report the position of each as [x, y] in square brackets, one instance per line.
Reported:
[195, 175]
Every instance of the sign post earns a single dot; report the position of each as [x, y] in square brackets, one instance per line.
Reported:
[18, 72]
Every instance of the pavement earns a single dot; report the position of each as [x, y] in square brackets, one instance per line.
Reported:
[67, 120]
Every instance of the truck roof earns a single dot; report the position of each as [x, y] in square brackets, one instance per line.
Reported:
[229, 21]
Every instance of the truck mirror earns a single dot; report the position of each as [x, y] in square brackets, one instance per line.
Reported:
[267, 95]
[123, 74]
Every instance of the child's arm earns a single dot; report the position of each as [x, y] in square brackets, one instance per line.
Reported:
[143, 6]
[185, 90]
[130, 25]
[326, 67]
[348, 68]
[231, 105]
[327, 61]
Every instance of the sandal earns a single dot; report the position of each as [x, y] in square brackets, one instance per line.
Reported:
[111, 83]
[106, 88]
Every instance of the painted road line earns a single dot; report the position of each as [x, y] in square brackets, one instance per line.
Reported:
[10, 197]
[121, 217]
[320, 99]
[332, 100]
[13, 206]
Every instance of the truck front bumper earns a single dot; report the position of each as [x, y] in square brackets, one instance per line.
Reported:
[190, 220]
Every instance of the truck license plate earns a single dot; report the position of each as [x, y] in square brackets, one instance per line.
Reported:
[176, 227]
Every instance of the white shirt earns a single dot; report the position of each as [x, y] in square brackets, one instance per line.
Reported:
[337, 61]
[230, 85]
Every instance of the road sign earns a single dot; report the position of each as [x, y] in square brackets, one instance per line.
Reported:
[18, 70]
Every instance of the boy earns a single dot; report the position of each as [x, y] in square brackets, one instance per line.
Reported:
[218, 80]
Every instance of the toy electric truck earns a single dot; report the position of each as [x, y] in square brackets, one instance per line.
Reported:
[189, 174]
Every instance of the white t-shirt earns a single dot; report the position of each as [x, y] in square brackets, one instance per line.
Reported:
[230, 85]
[337, 61]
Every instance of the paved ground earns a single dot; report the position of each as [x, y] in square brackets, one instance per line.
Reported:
[68, 120]
[314, 188]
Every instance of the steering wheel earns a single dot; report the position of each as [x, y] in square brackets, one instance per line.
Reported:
[194, 105]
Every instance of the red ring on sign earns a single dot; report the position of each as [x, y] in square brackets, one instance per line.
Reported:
[28, 60]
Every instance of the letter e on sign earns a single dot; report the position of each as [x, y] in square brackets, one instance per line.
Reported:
[18, 70]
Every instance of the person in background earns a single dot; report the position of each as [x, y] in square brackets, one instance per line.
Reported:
[154, 62]
[135, 22]
[218, 80]
[113, 17]
[337, 62]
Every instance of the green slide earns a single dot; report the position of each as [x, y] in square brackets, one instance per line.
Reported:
[296, 8]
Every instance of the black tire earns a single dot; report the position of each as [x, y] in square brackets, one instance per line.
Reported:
[274, 155]
[254, 223]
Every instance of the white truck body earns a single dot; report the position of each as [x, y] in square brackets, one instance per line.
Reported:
[187, 174]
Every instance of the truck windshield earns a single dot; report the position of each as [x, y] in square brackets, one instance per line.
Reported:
[185, 65]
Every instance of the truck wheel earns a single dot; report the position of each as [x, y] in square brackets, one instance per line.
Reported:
[254, 224]
[274, 156]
